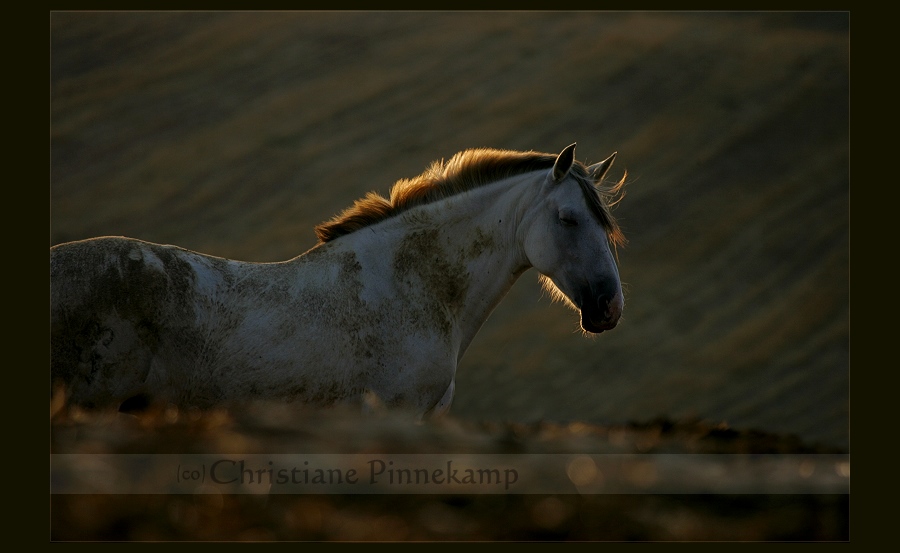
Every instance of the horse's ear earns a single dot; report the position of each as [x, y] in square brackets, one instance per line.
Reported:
[564, 162]
[598, 170]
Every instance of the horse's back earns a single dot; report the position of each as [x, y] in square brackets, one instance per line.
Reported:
[116, 271]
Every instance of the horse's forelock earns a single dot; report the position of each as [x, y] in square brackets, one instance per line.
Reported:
[601, 199]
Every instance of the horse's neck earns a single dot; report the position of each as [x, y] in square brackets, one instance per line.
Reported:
[469, 242]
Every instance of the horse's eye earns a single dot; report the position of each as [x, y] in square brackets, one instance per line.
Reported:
[568, 221]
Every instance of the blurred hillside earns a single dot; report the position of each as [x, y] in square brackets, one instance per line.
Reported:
[235, 133]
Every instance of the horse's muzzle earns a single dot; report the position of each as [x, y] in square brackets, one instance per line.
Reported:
[603, 314]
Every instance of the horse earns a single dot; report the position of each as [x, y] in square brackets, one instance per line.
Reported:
[384, 305]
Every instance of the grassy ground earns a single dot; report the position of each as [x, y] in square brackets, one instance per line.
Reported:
[628, 502]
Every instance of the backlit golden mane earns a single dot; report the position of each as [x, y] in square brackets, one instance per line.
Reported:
[466, 170]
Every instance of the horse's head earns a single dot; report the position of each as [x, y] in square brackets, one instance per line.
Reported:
[568, 237]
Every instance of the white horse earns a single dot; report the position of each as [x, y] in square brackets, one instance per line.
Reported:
[385, 304]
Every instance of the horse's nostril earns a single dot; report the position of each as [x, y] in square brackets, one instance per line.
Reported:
[610, 306]
[606, 305]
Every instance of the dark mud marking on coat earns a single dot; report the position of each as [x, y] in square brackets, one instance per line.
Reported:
[360, 320]
[94, 282]
[351, 269]
[341, 306]
[481, 243]
[421, 257]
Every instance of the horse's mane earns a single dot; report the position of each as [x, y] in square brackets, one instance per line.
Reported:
[464, 171]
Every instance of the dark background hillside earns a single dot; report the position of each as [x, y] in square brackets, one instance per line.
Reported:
[234, 134]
